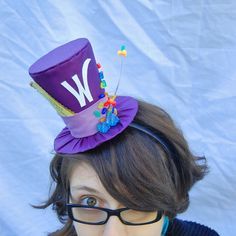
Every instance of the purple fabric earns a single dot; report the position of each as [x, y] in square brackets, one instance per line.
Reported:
[127, 108]
[70, 75]
[60, 65]
[84, 124]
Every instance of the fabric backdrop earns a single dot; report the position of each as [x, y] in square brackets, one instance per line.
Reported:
[181, 56]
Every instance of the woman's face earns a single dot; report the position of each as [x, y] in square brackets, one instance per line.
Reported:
[87, 189]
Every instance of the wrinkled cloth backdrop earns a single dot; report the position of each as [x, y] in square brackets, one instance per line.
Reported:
[181, 56]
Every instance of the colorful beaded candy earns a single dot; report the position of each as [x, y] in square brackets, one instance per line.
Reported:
[108, 108]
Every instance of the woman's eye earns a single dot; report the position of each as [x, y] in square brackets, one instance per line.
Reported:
[90, 201]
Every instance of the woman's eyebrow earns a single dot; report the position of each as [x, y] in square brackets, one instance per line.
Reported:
[86, 188]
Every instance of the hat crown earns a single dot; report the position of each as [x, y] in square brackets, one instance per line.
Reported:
[70, 75]
[58, 55]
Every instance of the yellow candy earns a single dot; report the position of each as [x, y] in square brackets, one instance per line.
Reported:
[100, 105]
[122, 53]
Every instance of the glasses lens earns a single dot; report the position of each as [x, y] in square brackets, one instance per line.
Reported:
[89, 215]
[138, 217]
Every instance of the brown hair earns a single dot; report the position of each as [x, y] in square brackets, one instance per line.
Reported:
[134, 168]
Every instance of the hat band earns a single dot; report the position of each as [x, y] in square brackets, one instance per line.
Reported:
[84, 123]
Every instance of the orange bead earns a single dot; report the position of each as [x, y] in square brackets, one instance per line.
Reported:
[106, 94]
[113, 103]
[102, 119]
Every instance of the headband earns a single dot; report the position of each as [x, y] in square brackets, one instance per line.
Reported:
[153, 135]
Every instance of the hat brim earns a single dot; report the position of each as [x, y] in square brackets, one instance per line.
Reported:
[65, 143]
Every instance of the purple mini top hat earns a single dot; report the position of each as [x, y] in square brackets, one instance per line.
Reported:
[74, 84]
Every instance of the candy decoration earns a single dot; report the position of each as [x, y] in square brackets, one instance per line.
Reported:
[108, 108]
[103, 84]
[100, 105]
[97, 114]
[99, 65]
[108, 117]
[114, 120]
[102, 119]
[104, 110]
[103, 127]
[122, 51]
[106, 104]
[102, 95]
[111, 102]
[101, 75]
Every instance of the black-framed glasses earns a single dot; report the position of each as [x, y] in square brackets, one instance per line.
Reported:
[98, 216]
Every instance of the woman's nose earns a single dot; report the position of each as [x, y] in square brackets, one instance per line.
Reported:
[114, 227]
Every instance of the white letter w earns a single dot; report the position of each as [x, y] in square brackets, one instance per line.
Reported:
[82, 90]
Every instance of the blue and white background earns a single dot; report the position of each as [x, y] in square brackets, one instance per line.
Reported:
[181, 56]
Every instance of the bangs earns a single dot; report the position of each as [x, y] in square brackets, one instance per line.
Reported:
[132, 169]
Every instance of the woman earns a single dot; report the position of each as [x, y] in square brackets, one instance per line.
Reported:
[131, 183]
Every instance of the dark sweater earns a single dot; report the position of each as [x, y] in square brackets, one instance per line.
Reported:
[188, 228]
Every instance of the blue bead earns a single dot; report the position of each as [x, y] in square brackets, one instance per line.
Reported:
[101, 76]
[104, 110]
[103, 127]
[102, 95]
[108, 117]
[114, 120]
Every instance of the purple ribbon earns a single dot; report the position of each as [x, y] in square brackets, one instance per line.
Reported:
[84, 123]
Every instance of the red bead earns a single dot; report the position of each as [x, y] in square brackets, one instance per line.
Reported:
[106, 104]
[99, 65]
[113, 103]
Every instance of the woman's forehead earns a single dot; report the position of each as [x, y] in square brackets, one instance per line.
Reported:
[84, 178]
[82, 173]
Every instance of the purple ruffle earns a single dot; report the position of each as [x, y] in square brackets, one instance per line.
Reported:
[65, 143]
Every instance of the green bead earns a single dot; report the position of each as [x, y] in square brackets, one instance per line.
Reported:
[103, 84]
[122, 47]
[97, 114]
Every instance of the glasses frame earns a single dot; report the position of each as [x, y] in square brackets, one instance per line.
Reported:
[109, 212]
